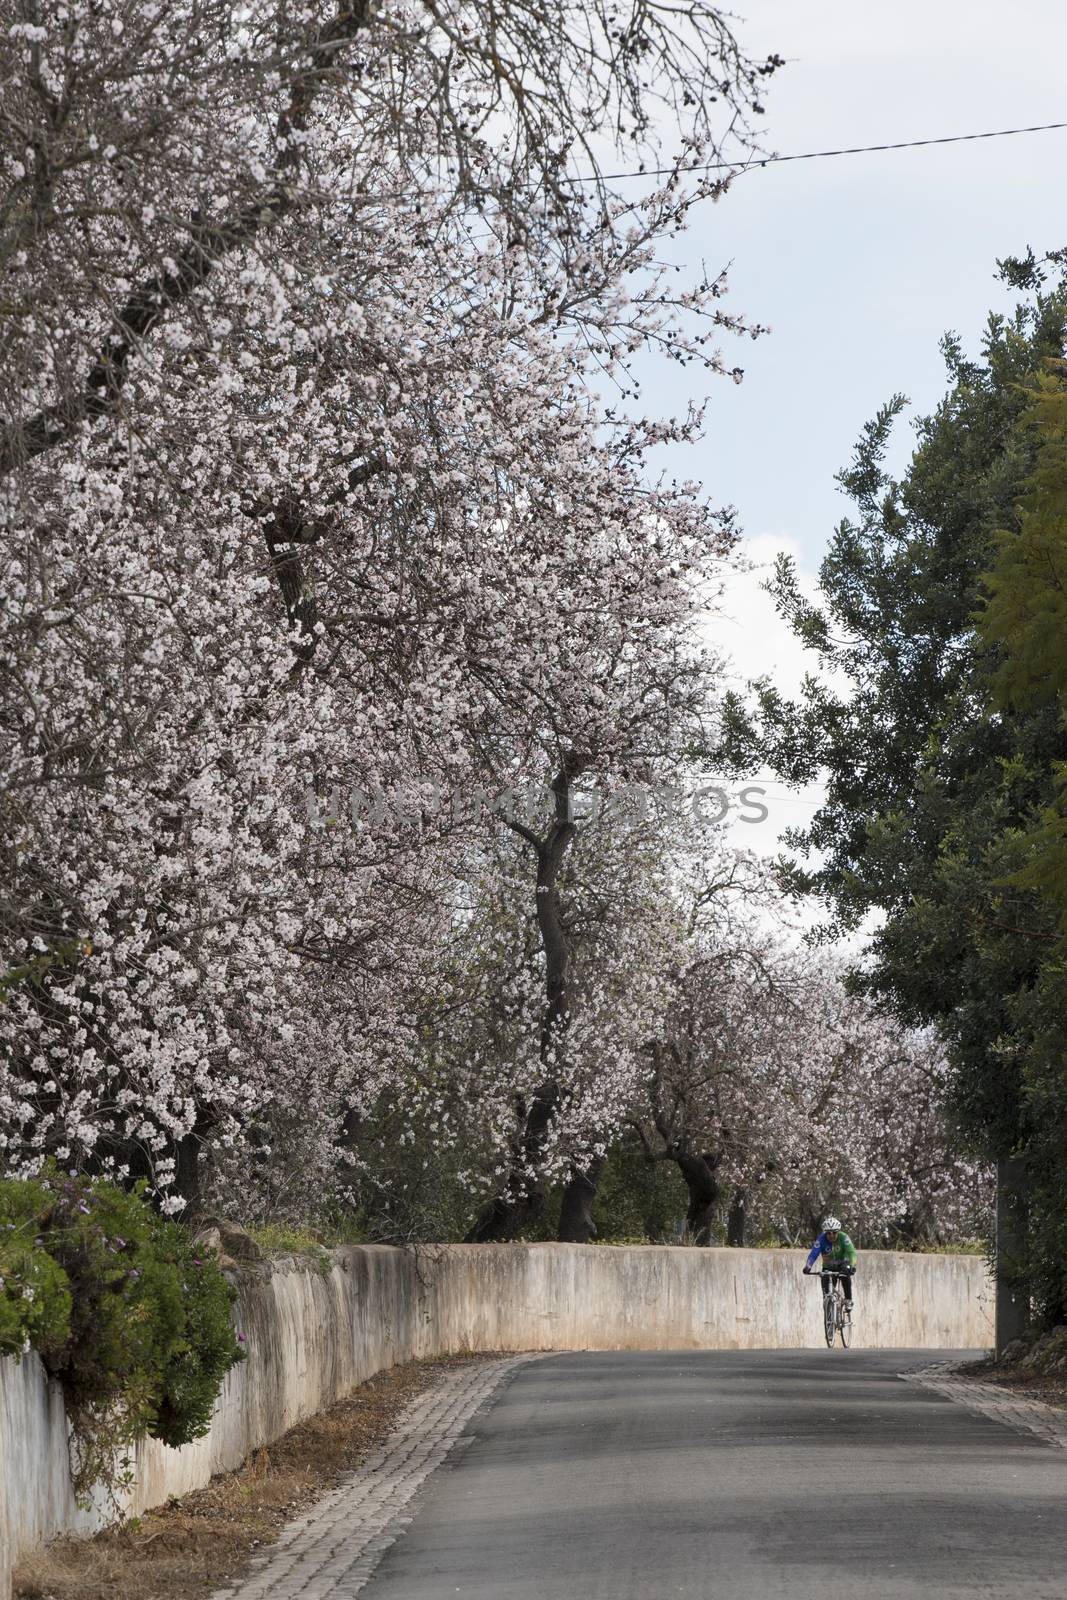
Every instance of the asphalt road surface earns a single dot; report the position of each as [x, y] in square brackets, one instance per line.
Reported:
[754, 1475]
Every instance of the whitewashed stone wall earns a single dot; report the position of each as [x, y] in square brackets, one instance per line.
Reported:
[648, 1297]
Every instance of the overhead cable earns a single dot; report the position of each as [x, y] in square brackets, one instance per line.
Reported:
[816, 155]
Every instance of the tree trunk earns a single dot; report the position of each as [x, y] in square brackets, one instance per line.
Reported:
[507, 1215]
[1012, 1252]
[140, 1166]
[737, 1218]
[699, 1175]
[187, 1172]
[347, 1144]
[522, 1199]
[576, 1225]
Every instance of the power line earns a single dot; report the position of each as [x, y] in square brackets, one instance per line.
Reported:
[820, 155]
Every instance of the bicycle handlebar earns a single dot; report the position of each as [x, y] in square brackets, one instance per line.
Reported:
[836, 1272]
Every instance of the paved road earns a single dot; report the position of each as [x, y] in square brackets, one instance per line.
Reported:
[756, 1475]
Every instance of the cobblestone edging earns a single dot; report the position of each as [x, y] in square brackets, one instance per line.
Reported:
[990, 1400]
[331, 1552]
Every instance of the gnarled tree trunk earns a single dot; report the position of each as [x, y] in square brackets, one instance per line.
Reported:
[704, 1191]
[576, 1225]
[737, 1218]
[522, 1198]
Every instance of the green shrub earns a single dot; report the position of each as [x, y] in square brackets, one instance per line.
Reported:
[35, 1298]
[134, 1321]
[204, 1348]
[639, 1201]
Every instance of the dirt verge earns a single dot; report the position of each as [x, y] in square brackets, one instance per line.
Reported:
[1051, 1387]
[190, 1547]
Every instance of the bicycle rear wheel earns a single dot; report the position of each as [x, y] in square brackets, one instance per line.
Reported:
[829, 1317]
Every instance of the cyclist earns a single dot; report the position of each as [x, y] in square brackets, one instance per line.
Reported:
[834, 1248]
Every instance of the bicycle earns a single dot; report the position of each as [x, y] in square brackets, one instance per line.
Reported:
[836, 1310]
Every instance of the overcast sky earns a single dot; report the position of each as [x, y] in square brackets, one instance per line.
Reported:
[861, 263]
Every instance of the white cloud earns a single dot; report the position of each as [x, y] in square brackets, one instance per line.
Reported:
[746, 627]
[755, 642]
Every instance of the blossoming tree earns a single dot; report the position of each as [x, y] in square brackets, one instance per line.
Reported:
[306, 490]
[782, 1097]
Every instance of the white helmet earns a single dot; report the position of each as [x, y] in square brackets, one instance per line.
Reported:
[831, 1225]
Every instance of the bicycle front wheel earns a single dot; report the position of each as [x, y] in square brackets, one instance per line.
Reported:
[829, 1317]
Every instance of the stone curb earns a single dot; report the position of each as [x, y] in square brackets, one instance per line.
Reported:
[1048, 1423]
[330, 1553]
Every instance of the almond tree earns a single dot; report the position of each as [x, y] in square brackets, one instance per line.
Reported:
[781, 1097]
[515, 1119]
[304, 485]
[155, 157]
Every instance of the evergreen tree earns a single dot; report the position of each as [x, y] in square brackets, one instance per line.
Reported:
[934, 791]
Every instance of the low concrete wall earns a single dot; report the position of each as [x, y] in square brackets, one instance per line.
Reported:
[312, 1337]
[647, 1297]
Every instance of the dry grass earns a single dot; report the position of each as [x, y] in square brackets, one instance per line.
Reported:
[184, 1550]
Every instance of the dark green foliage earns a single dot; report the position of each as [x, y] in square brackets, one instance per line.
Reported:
[422, 1191]
[933, 791]
[35, 1299]
[134, 1321]
[639, 1200]
[414, 1184]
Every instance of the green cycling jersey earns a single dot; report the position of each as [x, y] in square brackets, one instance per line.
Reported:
[839, 1252]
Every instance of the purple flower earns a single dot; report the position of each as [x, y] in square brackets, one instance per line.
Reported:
[240, 1338]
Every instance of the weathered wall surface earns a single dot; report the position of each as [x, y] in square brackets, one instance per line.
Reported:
[313, 1337]
[596, 1297]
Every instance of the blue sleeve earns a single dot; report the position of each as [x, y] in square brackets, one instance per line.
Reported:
[816, 1251]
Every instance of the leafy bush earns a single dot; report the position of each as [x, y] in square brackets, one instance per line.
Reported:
[123, 1310]
[35, 1299]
